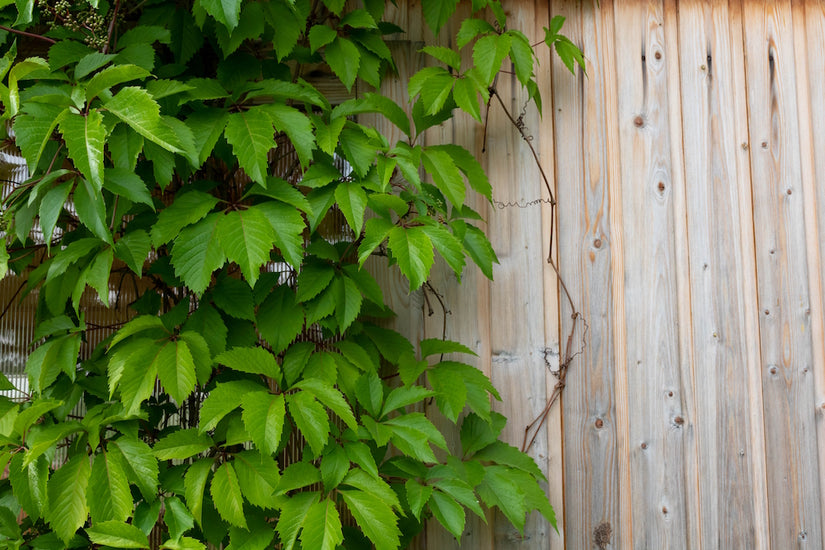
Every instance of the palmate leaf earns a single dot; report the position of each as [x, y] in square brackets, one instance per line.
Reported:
[322, 527]
[198, 253]
[254, 360]
[258, 476]
[247, 238]
[67, 511]
[251, 136]
[280, 319]
[226, 494]
[296, 126]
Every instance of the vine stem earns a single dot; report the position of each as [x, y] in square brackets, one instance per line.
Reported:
[29, 34]
[111, 27]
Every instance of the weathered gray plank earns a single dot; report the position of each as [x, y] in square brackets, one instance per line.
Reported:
[782, 271]
[658, 420]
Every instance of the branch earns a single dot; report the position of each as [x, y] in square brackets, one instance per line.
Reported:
[29, 34]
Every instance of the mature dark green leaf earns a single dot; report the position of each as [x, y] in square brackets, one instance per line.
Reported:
[320, 36]
[28, 483]
[258, 476]
[124, 145]
[33, 129]
[289, 226]
[250, 26]
[185, 36]
[177, 517]
[331, 398]
[91, 209]
[314, 278]
[348, 301]
[437, 12]
[263, 416]
[207, 126]
[135, 107]
[344, 59]
[296, 126]
[133, 248]
[352, 200]
[92, 62]
[225, 12]
[403, 396]
[187, 209]
[290, 24]
[507, 455]
[280, 319]
[66, 510]
[254, 360]
[123, 181]
[247, 238]
[111, 76]
[503, 489]
[85, 137]
[412, 434]
[226, 494]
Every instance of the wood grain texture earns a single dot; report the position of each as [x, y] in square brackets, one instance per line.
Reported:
[782, 270]
[586, 254]
[722, 280]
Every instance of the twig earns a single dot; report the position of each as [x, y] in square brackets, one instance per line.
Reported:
[29, 34]
[111, 27]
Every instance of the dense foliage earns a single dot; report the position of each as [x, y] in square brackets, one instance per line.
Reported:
[151, 130]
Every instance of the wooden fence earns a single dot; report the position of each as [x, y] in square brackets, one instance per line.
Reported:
[689, 168]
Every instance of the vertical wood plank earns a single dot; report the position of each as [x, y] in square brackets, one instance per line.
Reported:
[730, 473]
[657, 417]
[809, 42]
[586, 251]
[782, 275]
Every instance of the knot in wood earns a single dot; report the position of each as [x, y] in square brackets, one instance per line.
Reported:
[678, 420]
[639, 121]
[597, 243]
[599, 423]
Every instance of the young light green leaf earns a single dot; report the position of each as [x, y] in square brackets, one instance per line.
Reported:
[446, 175]
[289, 226]
[320, 36]
[436, 346]
[117, 535]
[85, 137]
[66, 510]
[247, 238]
[322, 527]
[177, 517]
[195, 483]
[187, 209]
[33, 129]
[470, 28]
[414, 252]
[448, 512]
[91, 209]
[417, 496]
[348, 301]
[108, 495]
[182, 444]
[254, 360]
[28, 482]
[123, 181]
[352, 200]
[311, 418]
[142, 466]
[111, 76]
[447, 245]
[293, 514]
[437, 12]
[375, 518]
[377, 229]
[258, 477]
[198, 253]
[135, 107]
[403, 396]
[448, 56]
[176, 370]
[251, 135]
[489, 52]
[263, 417]
[224, 399]
[226, 494]
[330, 397]
[50, 207]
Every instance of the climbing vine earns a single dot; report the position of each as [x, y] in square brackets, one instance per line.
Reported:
[176, 147]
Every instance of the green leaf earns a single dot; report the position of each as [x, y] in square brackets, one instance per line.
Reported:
[19, 71]
[33, 129]
[296, 126]
[330, 397]
[436, 346]
[50, 207]
[85, 137]
[377, 229]
[247, 238]
[224, 399]
[195, 483]
[90, 63]
[112, 76]
[280, 319]
[28, 482]
[489, 52]
[226, 494]
[374, 485]
[250, 26]
[470, 28]
[91, 209]
[448, 512]
[251, 136]
[507, 455]
[137, 325]
[465, 94]
[334, 466]
[503, 489]
[108, 496]
[289, 226]
[311, 418]
[198, 253]
[447, 245]
[403, 396]
[187, 209]
[437, 12]
[417, 496]
[477, 433]
[446, 175]
[66, 511]
[320, 36]
[135, 107]
[352, 200]
[348, 301]
[448, 56]
[293, 514]
[414, 252]
[176, 370]
[314, 278]
[258, 476]
[47, 361]
[123, 181]
[375, 518]
[143, 467]
[522, 55]
[290, 25]
[344, 59]
[322, 527]
[177, 517]
[373, 103]
[470, 166]
[263, 417]
[185, 36]
[225, 12]
[124, 145]
[182, 444]
[412, 434]
[117, 534]
[477, 246]
[186, 543]
[133, 248]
